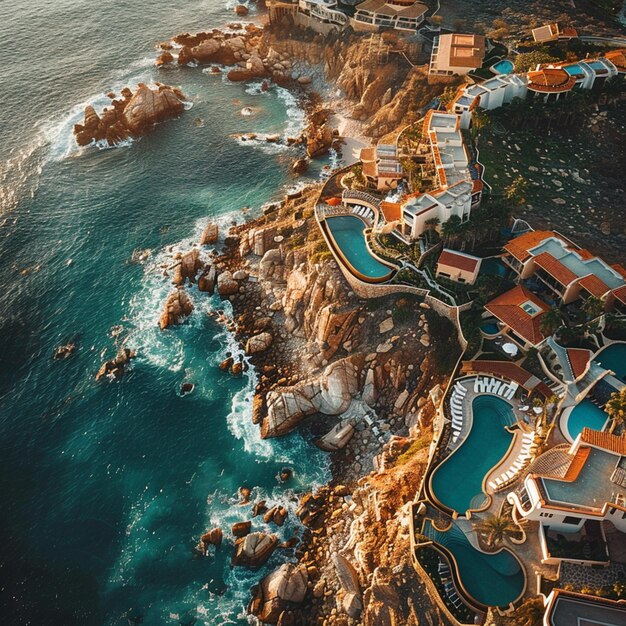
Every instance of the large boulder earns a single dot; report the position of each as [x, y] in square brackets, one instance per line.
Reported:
[177, 306]
[227, 285]
[338, 437]
[259, 343]
[280, 591]
[331, 394]
[209, 234]
[254, 549]
[187, 267]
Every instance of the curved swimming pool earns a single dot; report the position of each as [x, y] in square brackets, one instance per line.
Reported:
[495, 579]
[458, 482]
[348, 234]
[584, 414]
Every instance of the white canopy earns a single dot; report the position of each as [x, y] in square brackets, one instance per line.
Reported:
[510, 348]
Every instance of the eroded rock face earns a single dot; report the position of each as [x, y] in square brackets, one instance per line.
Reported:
[331, 393]
[279, 592]
[254, 549]
[187, 266]
[319, 134]
[132, 115]
[209, 234]
[338, 437]
[177, 306]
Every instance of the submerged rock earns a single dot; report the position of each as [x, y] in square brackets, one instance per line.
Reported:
[64, 352]
[115, 368]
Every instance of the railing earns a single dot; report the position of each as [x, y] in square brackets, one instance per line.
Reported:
[363, 196]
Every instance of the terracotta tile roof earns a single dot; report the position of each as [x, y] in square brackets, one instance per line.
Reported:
[458, 260]
[618, 58]
[579, 360]
[520, 246]
[594, 285]
[550, 80]
[459, 50]
[578, 462]
[369, 169]
[620, 269]
[507, 308]
[382, 7]
[606, 441]
[368, 154]
[555, 268]
[510, 371]
[391, 210]
[620, 293]
[553, 463]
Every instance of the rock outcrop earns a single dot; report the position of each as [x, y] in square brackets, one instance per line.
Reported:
[177, 306]
[254, 549]
[131, 115]
[331, 393]
[319, 134]
[279, 593]
[115, 368]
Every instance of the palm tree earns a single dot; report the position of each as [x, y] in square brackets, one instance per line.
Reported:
[593, 307]
[496, 529]
[616, 408]
[431, 225]
[451, 229]
[516, 191]
[530, 613]
[551, 321]
[480, 120]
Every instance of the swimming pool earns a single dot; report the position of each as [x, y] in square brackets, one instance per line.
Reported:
[586, 413]
[614, 358]
[574, 70]
[347, 232]
[490, 328]
[491, 579]
[458, 482]
[502, 67]
[493, 267]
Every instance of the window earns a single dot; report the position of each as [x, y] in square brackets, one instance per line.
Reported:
[571, 520]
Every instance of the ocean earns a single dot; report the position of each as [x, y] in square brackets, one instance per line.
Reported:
[106, 487]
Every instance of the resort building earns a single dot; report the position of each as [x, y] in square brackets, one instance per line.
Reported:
[563, 268]
[381, 167]
[324, 11]
[565, 608]
[323, 16]
[569, 486]
[458, 266]
[618, 58]
[372, 15]
[520, 312]
[455, 192]
[553, 32]
[456, 54]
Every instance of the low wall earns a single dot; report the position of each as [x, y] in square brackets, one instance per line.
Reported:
[300, 19]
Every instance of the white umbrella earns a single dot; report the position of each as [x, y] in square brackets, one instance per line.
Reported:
[510, 348]
[538, 410]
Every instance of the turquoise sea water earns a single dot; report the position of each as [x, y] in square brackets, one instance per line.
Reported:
[105, 488]
[459, 479]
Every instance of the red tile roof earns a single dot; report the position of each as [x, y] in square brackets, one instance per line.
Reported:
[507, 308]
[550, 80]
[555, 268]
[620, 293]
[620, 269]
[606, 441]
[520, 246]
[579, 360]
[618, 58]
[594, 285]
[460, 261]
[511, 371]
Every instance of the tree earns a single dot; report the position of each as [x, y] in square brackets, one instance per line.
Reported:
[451, 229]
[528, 61]
[448, 95]
[516, 191]
[616, 408]
[496, 529]
[530, 613]
[551, 321]
[480, 120]
[593, 307]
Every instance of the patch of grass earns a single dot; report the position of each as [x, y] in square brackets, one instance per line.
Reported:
[416, 446]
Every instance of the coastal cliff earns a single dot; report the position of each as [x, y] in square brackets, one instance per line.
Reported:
[358, 375]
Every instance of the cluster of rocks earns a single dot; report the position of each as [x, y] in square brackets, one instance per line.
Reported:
[115, 367]
[247, 51]
[131, 115]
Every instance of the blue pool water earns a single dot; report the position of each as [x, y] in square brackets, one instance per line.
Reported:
[573, 70]
[459, 479]
[347, 231]
[492, 579]
[614, 358]
[490, 328]
[585, 414]
[597, 65]
[503, 67]
[493, 267]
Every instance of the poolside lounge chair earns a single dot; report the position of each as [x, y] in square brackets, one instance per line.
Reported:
[509, 474]
[492, 485]
[495, 386]
[443, 567]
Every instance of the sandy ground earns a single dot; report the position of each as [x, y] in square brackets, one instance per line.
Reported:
[351, 132]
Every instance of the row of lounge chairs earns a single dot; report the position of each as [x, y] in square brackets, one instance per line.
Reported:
[456, 406]
[363, 211]
[528, 449]
[488, 384]
[448, 584]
